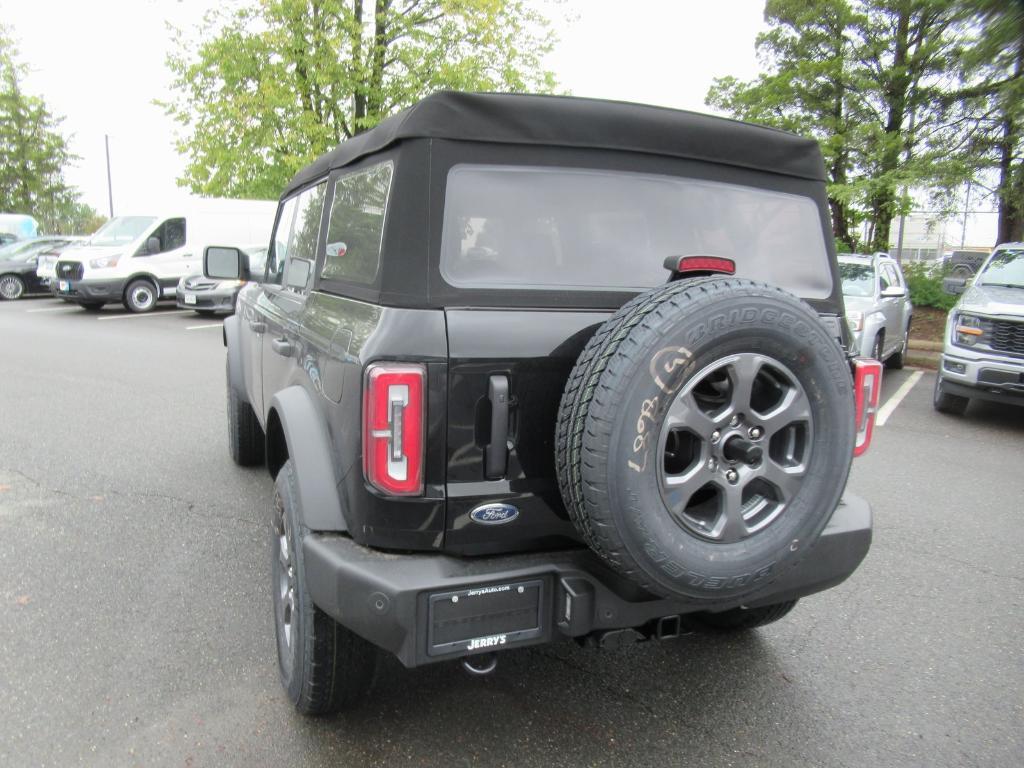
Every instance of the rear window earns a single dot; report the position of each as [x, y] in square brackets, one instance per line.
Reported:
[588, 229]
[356, 225]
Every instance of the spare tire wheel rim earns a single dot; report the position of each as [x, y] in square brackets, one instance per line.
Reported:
[735, 447]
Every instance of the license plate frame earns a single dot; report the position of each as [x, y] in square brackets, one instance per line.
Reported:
[485, 617]
[190, 298]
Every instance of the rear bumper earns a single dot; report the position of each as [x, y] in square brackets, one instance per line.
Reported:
[388, 598]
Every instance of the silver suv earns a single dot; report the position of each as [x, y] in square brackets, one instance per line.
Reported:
[878, 308]
[983, 356]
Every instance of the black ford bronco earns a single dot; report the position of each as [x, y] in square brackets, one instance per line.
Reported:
[530, 367]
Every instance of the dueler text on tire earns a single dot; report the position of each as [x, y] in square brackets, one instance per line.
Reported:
[324, 667]
[707, 434]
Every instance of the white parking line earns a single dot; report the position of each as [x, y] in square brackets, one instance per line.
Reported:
[890, 405]
[197, 327]
[146, 314]
[53, 309]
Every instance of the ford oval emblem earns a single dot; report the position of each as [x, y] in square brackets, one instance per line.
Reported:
[494, 514]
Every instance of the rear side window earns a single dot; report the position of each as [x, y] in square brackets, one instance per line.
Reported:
[558, 228]
[356, 225]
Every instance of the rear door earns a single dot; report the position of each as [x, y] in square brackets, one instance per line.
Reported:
[507, 369]
[892, 306]
[281, 305]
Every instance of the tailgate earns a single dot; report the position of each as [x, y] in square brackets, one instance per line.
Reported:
[507, 369]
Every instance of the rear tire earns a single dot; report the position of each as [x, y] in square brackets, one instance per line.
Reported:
[140, 296]
[324, 666]
[954, 405]
[739, 619]
[245, 436]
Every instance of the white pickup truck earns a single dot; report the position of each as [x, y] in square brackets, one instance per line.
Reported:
[983, 357]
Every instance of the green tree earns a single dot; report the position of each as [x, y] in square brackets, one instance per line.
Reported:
[806, 90]
[33, 150]
[272, 85]
[866, 78]
[991, 106]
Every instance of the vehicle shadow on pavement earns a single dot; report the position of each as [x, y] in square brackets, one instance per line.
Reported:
[995, 415]
[575, 706]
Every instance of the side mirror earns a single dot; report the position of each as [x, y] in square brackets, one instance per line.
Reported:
[954, 285]
[893, 291]
[297, 273]
[152, 246]
[225, 263]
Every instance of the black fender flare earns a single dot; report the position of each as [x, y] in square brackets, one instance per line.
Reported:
[309, 449]
[233, 341]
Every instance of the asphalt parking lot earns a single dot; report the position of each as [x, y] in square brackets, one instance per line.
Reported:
[135, 622]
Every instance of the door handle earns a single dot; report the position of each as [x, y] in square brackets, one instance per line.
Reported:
[496, 453]
[283, 347]
[257, 327]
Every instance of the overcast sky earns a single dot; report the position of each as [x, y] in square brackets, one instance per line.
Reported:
[101, 65]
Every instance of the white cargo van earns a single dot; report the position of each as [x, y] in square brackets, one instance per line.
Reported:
[138, 260]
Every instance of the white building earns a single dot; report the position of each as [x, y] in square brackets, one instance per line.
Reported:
[928, 236]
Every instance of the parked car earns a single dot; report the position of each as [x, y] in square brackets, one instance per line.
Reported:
[207, 297]
[983, 353]
[878, 306]
[138, 260]
[516, 371]
[18, 265]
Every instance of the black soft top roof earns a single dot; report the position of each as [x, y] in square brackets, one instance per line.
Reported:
[566, 121]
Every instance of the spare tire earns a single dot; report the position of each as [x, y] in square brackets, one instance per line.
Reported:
[705, 435]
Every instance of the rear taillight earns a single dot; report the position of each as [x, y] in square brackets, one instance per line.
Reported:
[867, 384]
[393, 419]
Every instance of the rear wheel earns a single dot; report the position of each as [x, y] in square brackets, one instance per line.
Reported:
[705, 436]
[740, 619]
[140, 296]
[955, 405]
[12, 287]
[324, 666]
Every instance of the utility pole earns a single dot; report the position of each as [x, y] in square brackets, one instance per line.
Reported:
[903, 216]
[110, 188]
[967, 209]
